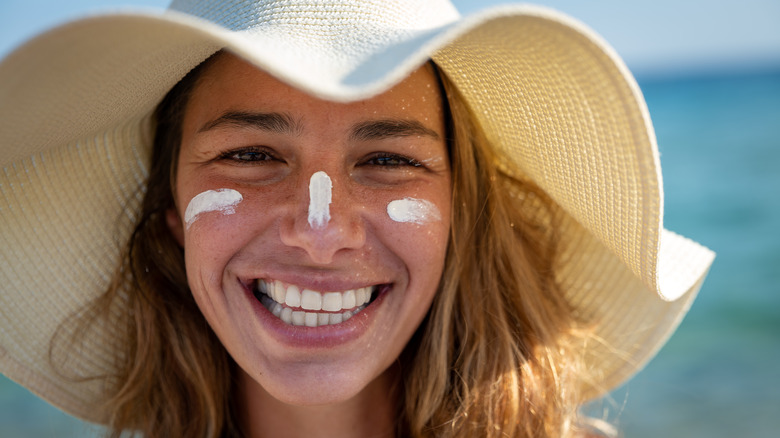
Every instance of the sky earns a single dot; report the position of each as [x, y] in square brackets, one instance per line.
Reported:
[655, 37]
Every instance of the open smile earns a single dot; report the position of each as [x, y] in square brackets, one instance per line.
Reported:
[299, 306]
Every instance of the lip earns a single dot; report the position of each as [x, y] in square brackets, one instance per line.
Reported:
[327, 336]
[311, 279]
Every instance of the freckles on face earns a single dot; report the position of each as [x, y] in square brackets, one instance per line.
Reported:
[224, 201]
[298, 209]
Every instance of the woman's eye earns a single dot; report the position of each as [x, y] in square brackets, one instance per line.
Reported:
[247, 155]
[391, 160]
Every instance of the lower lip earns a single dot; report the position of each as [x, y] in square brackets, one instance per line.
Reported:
[326, 336]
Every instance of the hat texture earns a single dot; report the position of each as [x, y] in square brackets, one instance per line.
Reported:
[75, 139]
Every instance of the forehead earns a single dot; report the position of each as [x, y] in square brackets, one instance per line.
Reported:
[230, 83]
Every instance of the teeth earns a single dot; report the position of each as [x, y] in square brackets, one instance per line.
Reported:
[311, 300]
[332, 302]
[279, 292]
[293, 297]
[307, 299]
[348, 301]
[311, 319]
[298, 318]
[336, 307]
[286, 315]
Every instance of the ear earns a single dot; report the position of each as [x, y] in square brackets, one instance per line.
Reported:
[175, 224]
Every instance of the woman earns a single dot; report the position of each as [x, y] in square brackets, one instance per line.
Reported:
[336, 236]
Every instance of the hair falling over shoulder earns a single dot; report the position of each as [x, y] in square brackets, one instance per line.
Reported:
[174, 376]
[495, 357]
[492, 358]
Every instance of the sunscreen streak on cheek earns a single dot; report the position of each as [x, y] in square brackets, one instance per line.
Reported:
[319, 199]
[222, 200]
[411, 210]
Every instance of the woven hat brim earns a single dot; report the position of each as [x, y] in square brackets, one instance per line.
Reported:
[74, 128]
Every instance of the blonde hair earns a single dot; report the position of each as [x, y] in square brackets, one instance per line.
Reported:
[174, 377]
[492, 357]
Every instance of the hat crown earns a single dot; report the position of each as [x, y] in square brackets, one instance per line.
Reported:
[336, 44]
[240, 15]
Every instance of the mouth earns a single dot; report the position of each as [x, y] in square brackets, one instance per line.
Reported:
[299, 306]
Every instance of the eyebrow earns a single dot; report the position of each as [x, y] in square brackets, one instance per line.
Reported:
[284, 124]
[388, 128]
[274, 122]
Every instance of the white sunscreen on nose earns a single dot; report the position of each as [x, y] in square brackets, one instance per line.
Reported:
[319, 199]
[411, 210]
[222, 200]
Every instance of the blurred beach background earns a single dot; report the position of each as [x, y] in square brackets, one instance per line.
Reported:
[710, 71]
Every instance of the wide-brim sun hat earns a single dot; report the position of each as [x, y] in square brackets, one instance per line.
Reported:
[75, 141]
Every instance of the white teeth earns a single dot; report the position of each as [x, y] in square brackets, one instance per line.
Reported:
[307, 299]
[348, 301]
[286, 315]
[332, 302]
[279, 292]
[311, 319]
[311, 300]
[336, 307]
[298, 318]
[293, 297]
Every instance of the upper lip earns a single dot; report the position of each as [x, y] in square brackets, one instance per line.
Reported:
[328, 282]
[350, 273]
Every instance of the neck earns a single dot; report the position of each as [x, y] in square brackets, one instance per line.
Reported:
[372, 412]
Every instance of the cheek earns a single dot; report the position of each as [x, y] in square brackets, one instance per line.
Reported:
[226, 212]
[414, 211]
[419, 232]
[215, 224]
[220, 222]
[223, 201]
[212, 213]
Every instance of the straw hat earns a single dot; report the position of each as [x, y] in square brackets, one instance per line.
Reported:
[75, 105]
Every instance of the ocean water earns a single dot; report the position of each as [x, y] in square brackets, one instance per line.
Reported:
[719, 375]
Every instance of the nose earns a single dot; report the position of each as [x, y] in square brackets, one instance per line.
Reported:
[323, 219]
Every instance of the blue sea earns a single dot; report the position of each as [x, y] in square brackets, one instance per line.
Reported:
[719, 375]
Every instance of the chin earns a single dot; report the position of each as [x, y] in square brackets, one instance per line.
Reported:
[320, 386]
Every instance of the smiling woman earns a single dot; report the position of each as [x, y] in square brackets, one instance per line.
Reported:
[352, 245]
[339, 221]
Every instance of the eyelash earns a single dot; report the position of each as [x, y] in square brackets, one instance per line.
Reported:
[233, 155]
[380, 159]
[383, 160]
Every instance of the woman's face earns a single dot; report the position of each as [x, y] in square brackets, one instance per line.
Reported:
[313, 299]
